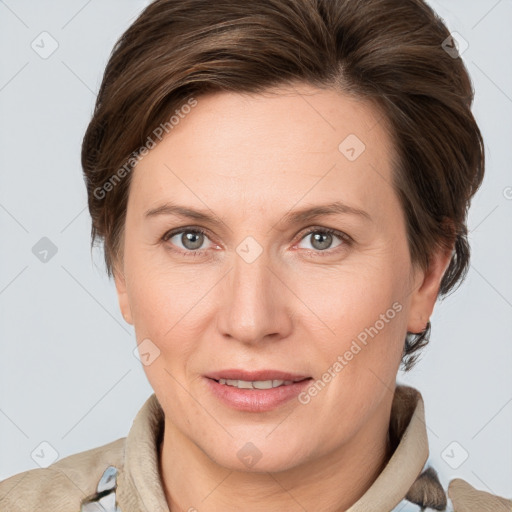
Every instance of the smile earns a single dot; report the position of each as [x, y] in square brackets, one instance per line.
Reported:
[255, 384]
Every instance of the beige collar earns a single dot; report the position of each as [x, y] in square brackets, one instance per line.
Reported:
[140, 486]
[408, 433]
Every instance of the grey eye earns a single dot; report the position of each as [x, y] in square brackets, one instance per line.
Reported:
[190, 240]
[321, 240]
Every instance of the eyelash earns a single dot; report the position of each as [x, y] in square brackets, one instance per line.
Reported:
[346, 239]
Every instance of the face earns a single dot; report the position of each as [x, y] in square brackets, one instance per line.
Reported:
[252, 285]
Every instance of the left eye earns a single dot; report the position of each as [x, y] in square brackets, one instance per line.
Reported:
[323, 238]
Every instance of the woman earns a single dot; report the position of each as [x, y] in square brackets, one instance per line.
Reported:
[280, 210]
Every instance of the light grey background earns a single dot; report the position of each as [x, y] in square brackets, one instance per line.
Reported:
[68, 376]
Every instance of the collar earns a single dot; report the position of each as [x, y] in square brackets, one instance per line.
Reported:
[140, 487]
[408, 434]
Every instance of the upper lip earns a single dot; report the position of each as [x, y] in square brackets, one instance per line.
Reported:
[235, 374]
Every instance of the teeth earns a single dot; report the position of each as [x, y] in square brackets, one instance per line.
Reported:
[256, 384]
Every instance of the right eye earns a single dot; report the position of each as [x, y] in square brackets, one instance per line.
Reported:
[191, 239]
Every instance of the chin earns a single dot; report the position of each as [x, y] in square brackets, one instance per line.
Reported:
[257, 456]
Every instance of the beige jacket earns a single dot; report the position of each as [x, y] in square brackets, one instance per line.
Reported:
[131, 480]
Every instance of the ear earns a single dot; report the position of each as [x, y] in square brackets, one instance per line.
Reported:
[426, 290]
[122, 295]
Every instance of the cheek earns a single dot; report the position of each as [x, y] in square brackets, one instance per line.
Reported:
[159, 292]
[348, 299]
[171, 307]
[149, 303]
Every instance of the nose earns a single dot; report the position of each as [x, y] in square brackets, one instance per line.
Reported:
[256, 304]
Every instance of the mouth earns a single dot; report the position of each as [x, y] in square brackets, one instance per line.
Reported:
[256, 384]
[257, 391]
[262, 379]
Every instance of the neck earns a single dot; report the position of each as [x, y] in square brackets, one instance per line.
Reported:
[193, 482]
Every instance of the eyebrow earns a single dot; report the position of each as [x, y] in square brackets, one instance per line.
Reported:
[292, 217]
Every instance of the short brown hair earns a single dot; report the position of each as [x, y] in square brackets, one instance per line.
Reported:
[391, 52]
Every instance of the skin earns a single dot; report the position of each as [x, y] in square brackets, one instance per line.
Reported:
[249, 160]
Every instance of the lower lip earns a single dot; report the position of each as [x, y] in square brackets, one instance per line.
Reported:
[255, 400]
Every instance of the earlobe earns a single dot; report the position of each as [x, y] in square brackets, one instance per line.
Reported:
[425, 295]
[122, 296]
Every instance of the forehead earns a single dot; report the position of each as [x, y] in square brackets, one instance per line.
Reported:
[281, 145]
